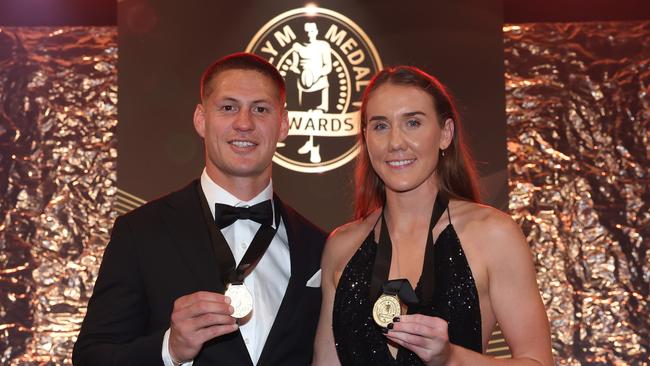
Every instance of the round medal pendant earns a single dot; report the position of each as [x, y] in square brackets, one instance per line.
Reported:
[241, 300]
[386, 308]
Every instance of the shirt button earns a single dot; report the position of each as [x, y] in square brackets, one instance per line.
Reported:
[246, 340]
[243, 245]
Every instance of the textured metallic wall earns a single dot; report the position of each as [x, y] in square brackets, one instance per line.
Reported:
[578, 107]
[58, 115]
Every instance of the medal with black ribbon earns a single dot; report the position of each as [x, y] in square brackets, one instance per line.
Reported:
[391, 294]
[389, 303]
[232, 274]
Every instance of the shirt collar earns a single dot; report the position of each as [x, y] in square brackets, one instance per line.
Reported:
[214, 193]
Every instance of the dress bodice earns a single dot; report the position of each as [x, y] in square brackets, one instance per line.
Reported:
[359, 341]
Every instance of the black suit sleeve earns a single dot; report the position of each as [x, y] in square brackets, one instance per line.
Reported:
[114, 331]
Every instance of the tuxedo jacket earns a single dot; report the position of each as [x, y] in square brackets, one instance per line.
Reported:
[162, 251]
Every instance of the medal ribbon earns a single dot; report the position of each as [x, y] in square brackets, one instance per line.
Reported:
[381, 268]
[223, 255]
[401, 288]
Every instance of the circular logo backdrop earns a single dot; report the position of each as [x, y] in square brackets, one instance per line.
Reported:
[326, 61]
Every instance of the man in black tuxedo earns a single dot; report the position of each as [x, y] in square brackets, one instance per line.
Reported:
[159, 297]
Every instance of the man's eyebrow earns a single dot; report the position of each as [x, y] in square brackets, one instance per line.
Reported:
[229, 99]
[233, 99]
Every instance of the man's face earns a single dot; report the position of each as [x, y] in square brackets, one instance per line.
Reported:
[241, 121]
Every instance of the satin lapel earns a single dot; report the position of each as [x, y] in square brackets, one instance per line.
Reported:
[289, 307]
[184, 221]
[186, 225]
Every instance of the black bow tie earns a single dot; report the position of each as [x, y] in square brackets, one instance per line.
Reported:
[225, 215]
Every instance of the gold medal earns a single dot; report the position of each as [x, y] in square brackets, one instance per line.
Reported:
[240, 299]
[386, 308]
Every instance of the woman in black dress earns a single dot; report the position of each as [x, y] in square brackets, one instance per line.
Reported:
[456, 266]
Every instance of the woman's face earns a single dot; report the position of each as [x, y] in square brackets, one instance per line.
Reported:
[403, 136]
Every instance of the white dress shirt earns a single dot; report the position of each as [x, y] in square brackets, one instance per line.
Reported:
[269, 279]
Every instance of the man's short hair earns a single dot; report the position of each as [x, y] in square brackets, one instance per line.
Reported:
[242, 61]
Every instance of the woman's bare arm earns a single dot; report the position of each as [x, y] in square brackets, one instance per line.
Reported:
[514, 296]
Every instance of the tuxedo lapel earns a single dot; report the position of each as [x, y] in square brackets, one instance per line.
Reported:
[184, 220]
[289, 307]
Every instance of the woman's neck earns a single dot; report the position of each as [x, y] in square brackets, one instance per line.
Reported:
[406, 210]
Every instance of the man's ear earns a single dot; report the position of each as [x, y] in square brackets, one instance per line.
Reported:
[199, 120]
[447, 135]
[284, 125]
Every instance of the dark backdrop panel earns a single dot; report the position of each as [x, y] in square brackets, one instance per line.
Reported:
[165, 45]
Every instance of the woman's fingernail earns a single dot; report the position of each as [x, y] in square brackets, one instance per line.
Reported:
[384, 330]
[390, 325]
[396, 319]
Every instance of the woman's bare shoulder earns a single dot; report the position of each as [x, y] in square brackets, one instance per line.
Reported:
[477, 212]
[347, 238]
[352, 229]
[488, 229]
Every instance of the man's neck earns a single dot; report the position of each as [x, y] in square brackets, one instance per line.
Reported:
[244, 188]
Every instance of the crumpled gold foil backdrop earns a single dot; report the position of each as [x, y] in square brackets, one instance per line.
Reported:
[58, 118]
[578, 107]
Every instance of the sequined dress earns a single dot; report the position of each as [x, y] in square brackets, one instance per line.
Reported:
[359, 340]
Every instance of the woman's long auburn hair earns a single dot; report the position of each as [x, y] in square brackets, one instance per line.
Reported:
[456, 171]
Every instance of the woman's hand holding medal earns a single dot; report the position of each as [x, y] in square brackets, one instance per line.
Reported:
[426, 336]
[197, 318]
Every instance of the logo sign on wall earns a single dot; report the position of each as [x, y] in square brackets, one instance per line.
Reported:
[326, 60]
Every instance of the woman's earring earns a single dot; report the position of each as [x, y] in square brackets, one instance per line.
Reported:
[443, 153]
